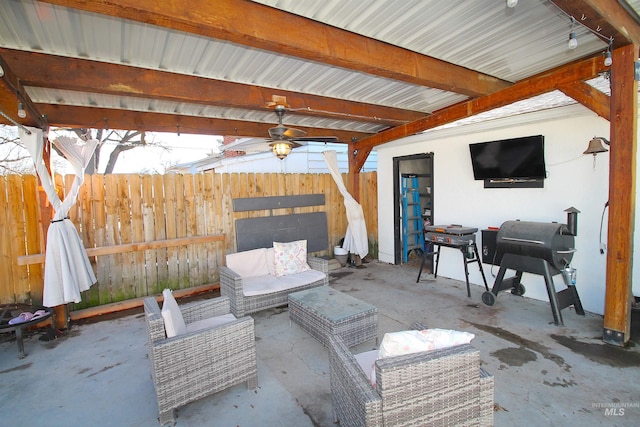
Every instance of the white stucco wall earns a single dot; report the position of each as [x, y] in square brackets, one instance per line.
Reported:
[458, 198]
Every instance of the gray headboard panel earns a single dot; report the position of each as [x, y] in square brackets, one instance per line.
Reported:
[261, 232]
[252, 233]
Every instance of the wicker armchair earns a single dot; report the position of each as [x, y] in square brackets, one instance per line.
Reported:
[441, 387]
[188, 367]
[231, 286]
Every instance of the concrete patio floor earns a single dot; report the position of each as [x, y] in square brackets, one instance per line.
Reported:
[97, 373]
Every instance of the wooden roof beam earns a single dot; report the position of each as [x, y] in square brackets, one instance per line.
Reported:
[590, 97]
[82, 116]
[11, 93]
[262, 27]
[42, 70]
[604, 17]
[537, 85]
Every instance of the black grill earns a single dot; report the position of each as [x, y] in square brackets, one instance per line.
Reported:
[549, 241]
[538, 248]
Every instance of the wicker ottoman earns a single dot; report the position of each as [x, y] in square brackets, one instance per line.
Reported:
[323, 312]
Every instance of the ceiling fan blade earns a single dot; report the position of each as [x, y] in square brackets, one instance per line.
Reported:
[292, 133]
[319, 139]
[277, 132]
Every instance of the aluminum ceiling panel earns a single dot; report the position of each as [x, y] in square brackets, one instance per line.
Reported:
[34, 26]
[635, 5]
[488, 37]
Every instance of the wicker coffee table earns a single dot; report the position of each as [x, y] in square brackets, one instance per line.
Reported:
[323, 312]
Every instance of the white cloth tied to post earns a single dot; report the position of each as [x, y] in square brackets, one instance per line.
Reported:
[355, 239]
[67, 270]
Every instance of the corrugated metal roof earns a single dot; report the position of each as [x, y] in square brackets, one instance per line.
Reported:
[487, 36]
[71, 33]
[502, 46]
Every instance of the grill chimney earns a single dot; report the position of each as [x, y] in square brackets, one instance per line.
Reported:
[572, 220]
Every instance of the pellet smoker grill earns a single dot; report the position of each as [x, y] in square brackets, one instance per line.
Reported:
[538, 248]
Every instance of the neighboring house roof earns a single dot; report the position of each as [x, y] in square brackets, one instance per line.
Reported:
[305, 159]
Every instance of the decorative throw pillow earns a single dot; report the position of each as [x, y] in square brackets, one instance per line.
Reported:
[172, 316]
[290, 257]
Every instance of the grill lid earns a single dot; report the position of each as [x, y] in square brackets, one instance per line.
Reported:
[550, 241]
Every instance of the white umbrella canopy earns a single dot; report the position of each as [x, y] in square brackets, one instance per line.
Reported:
[67, 270]
[355, 239]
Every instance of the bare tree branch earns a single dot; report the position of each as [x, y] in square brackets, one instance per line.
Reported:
[14, 158]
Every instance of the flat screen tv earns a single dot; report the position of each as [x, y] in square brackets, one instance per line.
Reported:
[509, 159]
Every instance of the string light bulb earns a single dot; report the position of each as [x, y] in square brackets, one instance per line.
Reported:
[608, 60]
[21, 112]
[573, 40]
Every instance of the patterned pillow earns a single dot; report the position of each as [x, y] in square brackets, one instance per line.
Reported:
[290, 258]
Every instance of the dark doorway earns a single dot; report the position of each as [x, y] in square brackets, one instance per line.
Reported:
[419, 166]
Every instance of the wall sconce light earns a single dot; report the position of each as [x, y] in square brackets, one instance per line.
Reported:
[281, 149]
[595, 147]
[21, 112]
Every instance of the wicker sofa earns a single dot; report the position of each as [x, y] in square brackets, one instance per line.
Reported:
[198, 363]
[257, 287]
[443, 387]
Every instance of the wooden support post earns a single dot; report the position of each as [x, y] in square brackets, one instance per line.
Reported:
[354, 171]
[356, 161]
[622, 190]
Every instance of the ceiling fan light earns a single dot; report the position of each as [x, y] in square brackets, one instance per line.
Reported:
[281, 149]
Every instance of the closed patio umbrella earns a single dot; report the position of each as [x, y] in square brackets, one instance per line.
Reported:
[67, 270]
[355, 239]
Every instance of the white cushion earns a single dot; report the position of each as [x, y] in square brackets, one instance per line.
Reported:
[367, 362]
[210, 322]
[271, 261]
[290, 257]
[268, 284]
[173, 321]
[406, 342]
[249, 263]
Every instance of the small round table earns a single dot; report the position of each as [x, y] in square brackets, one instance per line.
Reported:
[9, 311]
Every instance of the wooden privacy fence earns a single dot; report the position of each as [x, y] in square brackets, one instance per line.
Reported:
[145, 233]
